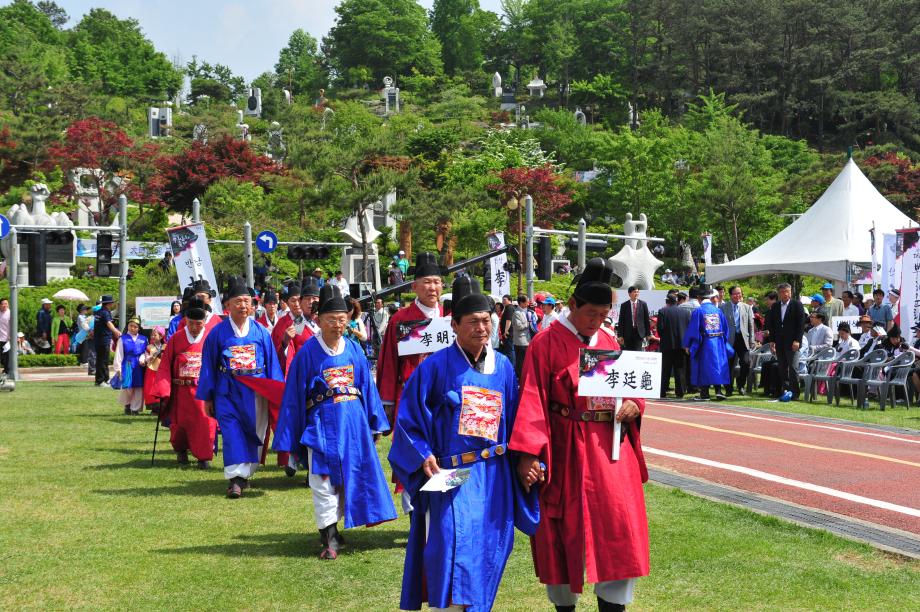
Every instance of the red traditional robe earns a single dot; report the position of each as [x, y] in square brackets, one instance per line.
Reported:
[392, 370]
[592, 508]
[213, 321]
[190, 427]
[264, 322]
[285, 356]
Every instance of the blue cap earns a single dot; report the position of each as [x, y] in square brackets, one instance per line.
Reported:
[817, 298]
[827, 286]
[549, 300]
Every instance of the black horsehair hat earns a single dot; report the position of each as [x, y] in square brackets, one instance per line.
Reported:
[466, 298]
[236, 286]
[593, 284]
[426, 265]
[196, 310]
[330, 300]
[309, 287]
[269, 296]
[203, 286]
[290, 290]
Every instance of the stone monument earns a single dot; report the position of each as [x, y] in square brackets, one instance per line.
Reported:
[200, 133]
[580, 116]
[242, 127]
[353, 256]
[497, 85]
[536, 87]
[390, 95]
[276, 147]
[60, 254]
[634, 263]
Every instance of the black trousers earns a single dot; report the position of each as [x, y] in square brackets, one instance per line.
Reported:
[674, 360]
[632, 343]
[102, 364]
[741, 359]
[5, 357]
[788, 377]
[520, 351]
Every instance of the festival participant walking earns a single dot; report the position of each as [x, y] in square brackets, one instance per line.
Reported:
[331, 416]
[104, 331]
[392, 370]
[151, 362]
[592, 508]
[291, 332]
[187, 294]
[128, 352]
[237, 364]
[270, 317]
[202, 290]
[60, 331]
[457, 411]
[707, 343]
[191, 429]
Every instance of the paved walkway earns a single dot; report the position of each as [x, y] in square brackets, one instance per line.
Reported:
[863, 476]
[68, 374]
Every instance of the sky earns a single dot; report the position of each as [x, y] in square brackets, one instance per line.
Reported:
[246, 36]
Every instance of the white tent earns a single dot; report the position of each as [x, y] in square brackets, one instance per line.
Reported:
[824, 241]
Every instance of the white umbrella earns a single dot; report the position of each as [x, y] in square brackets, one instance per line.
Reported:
[72, 295]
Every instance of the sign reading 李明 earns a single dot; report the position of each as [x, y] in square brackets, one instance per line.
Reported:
[424, 336]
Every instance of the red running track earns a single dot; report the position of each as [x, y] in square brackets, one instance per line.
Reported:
[868, 474]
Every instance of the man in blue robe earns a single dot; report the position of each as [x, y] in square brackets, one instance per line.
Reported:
[331, 416]
[237, 362]
[456, 412]
[706, 343]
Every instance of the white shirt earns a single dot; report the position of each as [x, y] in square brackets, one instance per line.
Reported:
[547, 320]
[430, 313]
[5, 325]
[851, 311]
[342, 284]
[846, 345]
[782, 310]
[338, 349]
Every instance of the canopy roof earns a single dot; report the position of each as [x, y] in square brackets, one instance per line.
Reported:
[831, 234]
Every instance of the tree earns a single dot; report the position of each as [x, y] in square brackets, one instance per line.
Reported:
[217, 82]
[116, 54]
[550, 191]
[462, 29]
[388, 37]
[300, 65]
[57, 15]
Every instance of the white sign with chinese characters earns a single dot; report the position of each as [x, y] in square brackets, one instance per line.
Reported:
[853, 322]
[501, 280]
[909, 304]
[429, 338]
[191, 255]
[619, 374]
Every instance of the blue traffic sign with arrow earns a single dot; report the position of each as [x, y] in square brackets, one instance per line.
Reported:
[4, 226]
[267, 241]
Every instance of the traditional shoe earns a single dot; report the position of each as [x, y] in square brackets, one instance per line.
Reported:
[234, 491]
[289, 471]
[244, 483]
[182, 458]
[204, 465]
[606, 606]
[565, 608]
[331, 543]
[127, 410]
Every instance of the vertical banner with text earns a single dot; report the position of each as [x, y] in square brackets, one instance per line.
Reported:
[191, 256]
[707, 249]
[909, 304]
[891, 268]
[500, 280]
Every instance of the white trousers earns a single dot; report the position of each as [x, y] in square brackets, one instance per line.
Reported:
[246, 470]
[133, 398]
[614, 591]
[406, 500]
[327, 503]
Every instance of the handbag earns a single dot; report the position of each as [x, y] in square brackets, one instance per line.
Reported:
[116, 382]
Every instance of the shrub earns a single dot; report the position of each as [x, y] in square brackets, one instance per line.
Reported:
[47, 361]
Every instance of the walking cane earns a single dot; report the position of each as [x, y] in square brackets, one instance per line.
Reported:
[156, 434]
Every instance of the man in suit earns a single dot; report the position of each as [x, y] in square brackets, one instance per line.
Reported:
[787, 324]
[672, 324]
[740, 334]
[634, 324]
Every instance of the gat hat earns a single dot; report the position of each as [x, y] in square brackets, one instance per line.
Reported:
[203, 286]
[309, 287]
[188, 293]
[426, 265]
[705, 291]
[466, 298]
[269, 296]
[196, 310]
[827, 286]
[106, 299]
[593, 284]
[46, 301]
[292, 289]
[330, 300]
[817, 298]
[236, 286]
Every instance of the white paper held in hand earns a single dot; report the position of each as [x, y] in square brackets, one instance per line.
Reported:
[445, 480]
[617, 426]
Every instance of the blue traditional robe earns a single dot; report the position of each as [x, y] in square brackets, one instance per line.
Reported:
[706, 337]
[132, 372]
[173, 326]
[448, 408]
[234, 402]
[338, 429]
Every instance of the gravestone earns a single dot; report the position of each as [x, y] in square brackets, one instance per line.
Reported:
[536, 87]
[200, 133]
[497, 85]
[580, 116]
[390, 95]
[276, 147]
[254, 103]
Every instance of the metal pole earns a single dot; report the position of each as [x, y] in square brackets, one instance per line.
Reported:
[520, 271]
[123, 256]
[196, 211]
[528, 202]
[582, 245]
[247, 254]
[13, 273]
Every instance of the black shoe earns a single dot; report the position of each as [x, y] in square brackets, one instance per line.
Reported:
[289, 471]
[244, 483]
[204, 465]
[330, 536]
[127, 410]
[182, 458]
[606, 606]
[565, 608]
[234, 491]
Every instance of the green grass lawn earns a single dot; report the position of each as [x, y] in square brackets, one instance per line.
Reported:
[897, 416]
[87, 522]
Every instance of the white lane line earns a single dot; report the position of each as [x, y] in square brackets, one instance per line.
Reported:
[801, 423]
[859, 499]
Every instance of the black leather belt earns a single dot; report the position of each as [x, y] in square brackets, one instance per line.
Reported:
[596, 416]
[453, 461]
[185, 382]
[332, 392]
[250, 372]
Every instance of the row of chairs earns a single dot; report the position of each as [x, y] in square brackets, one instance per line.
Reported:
[873, 371]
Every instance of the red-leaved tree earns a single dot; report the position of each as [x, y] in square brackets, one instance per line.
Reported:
[897, 178]
[118, 165]
[188, 174]
[551, 193]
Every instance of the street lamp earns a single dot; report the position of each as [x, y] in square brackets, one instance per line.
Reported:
[514, 204]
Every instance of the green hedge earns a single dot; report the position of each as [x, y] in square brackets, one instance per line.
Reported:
[47, 361]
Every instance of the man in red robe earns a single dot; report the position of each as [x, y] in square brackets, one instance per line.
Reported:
[204, 292]
[592, 507]
[176, 381]
[270, 317]
[392, 370]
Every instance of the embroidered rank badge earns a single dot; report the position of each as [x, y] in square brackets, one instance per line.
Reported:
[711, 324]
[190, 366]
[243, 357]
[480, 413]
[602, 403]
[340, 376]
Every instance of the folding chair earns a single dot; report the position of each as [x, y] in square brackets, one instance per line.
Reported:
[759, 357]
[898, 373]
[848, 373]
[822, 373]
[806, 374]
[874, 376]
